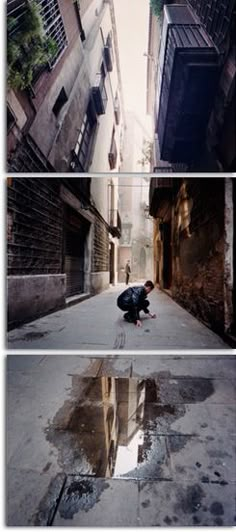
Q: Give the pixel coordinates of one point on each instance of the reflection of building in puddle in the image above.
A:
(130, 414)
(109, 413)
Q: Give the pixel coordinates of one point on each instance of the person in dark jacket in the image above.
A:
(127, 272)
(133, 300)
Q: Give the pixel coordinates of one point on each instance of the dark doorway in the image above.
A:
(167, 256)
(111, 267)
(76, 231)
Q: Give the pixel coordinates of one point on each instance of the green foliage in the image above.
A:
(27, 47)
(157, 7)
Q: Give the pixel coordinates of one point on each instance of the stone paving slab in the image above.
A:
(98, 502)
(186, 504)
(206, 420)
(106, 329)
(25, 496)
(198, 459)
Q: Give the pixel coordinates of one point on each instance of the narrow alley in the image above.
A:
(98, 324)
(121, 440)
(70, 239)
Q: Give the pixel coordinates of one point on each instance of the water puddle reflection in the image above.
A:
(116, 427)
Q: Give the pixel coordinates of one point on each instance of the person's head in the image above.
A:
(148, 286)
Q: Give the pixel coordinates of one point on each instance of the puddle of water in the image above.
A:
(115, 427)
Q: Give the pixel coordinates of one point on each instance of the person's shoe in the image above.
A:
(128, 318)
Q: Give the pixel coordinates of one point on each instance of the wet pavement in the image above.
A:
(149, 441)
(98, 324)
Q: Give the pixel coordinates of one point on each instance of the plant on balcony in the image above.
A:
(27, 47)
(157, 7)
(147, 153)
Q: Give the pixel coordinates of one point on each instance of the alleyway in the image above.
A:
(181, 471)
(97, 323)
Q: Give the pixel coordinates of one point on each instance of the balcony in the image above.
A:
(115, 223)
(108, 57)
(99, 94)
(160, 196)
(112, 155)
(117, 110)
(188, 76)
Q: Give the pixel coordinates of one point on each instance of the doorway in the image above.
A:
(167, 256)
(76, 230)
(111, 264)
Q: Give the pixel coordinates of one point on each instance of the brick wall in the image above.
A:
(34, 226)
(100, 259)
(198, 250)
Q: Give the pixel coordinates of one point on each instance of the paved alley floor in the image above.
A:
(121, 440)
(98, 324)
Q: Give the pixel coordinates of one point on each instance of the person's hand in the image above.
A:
(138, 323)
(152, 315)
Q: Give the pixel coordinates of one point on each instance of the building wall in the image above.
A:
(76, 70)
(35, 283)
(100, 257)
(36, 244)
(198, 250)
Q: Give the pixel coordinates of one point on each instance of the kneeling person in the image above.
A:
(133, 300)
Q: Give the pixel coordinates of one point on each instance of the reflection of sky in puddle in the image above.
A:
(127, 457)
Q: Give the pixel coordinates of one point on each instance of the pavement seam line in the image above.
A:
(51, 520)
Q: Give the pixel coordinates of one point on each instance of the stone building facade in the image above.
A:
(59, 232)
(71, 116)
(194, 245)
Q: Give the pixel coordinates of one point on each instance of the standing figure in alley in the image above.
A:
(127, 272)
(133, 300)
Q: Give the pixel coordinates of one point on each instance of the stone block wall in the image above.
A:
(198, 250)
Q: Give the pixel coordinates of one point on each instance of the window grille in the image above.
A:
(52, 22)
(53, 26)
(83, 145)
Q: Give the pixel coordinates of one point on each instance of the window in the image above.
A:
(99, 92)
(60, 101)
(112, 155)
(108, 53)
(53, 25)
(84, 143)
(52, 22)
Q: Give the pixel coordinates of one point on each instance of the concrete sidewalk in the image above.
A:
(97, 324)
(196, 482)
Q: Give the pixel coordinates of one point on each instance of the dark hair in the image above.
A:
(149, 284)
